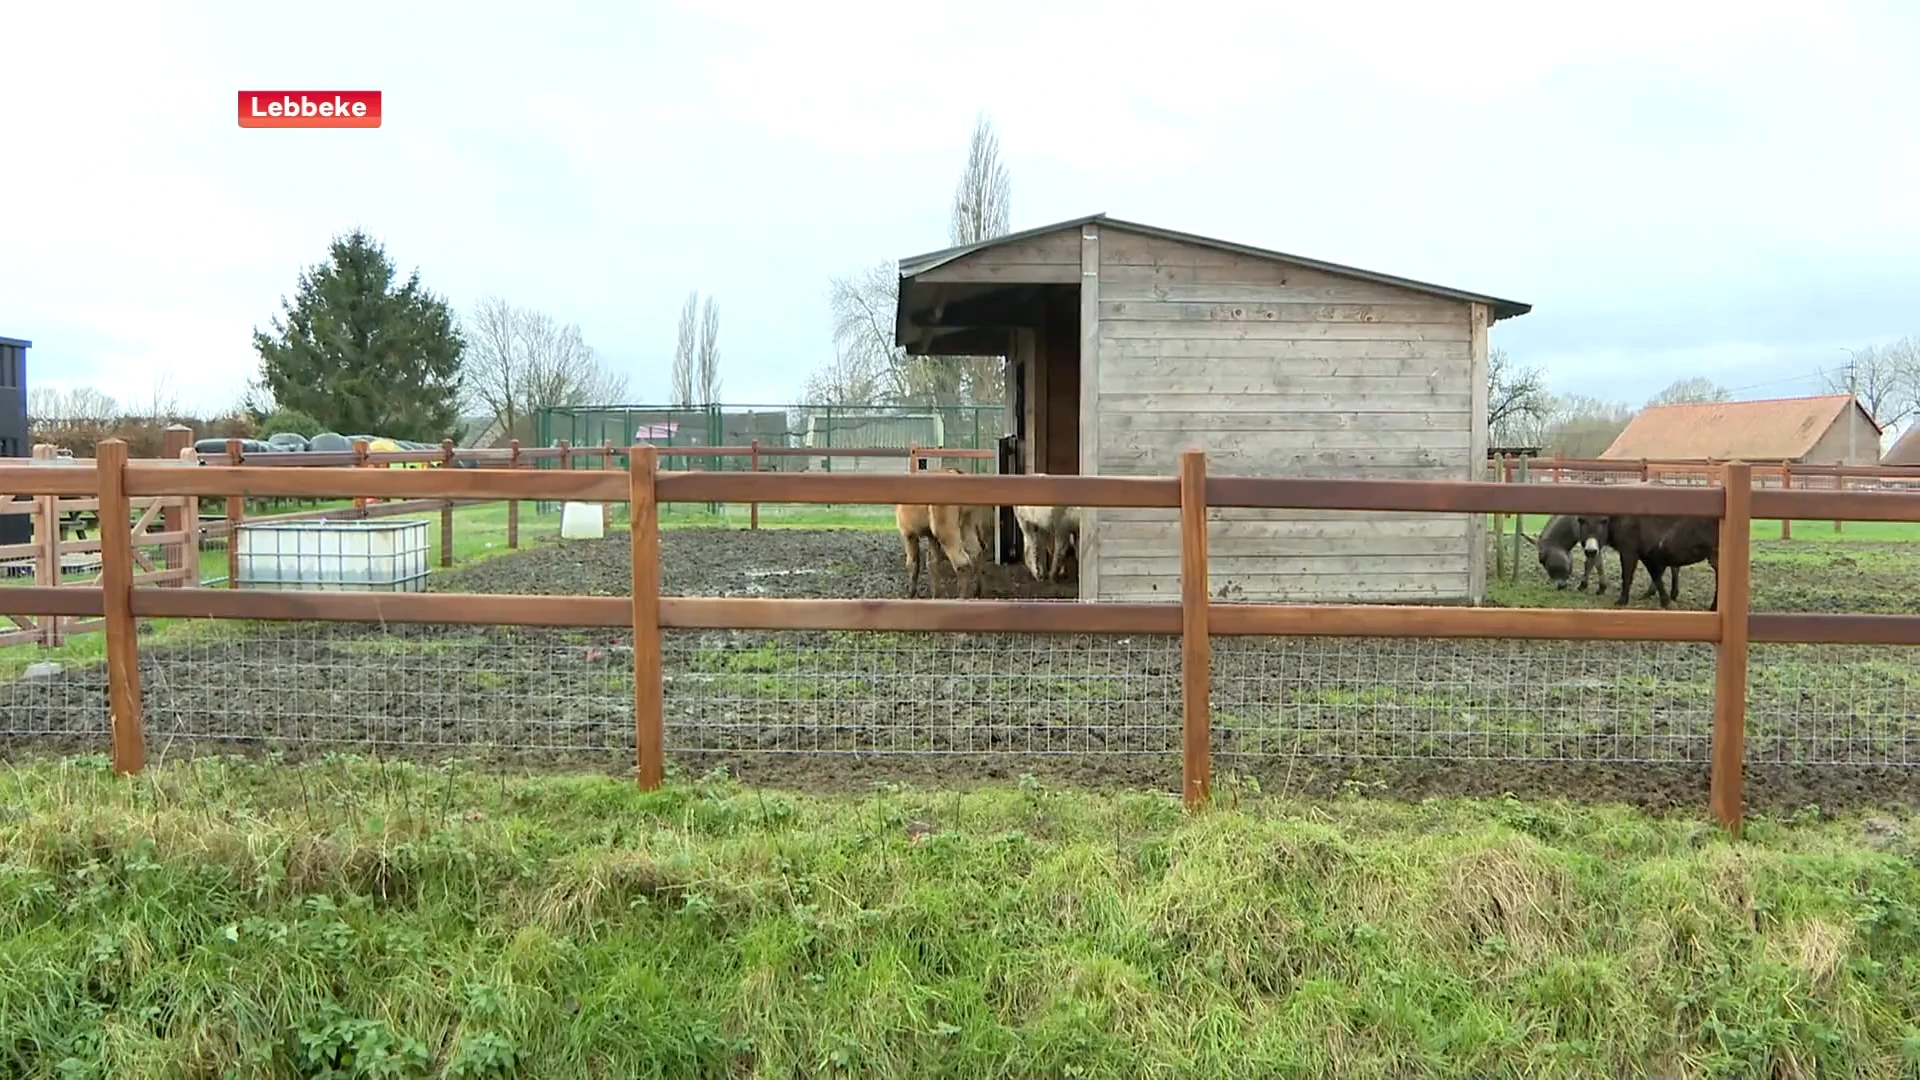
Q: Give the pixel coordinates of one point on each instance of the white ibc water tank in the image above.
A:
(581, 521)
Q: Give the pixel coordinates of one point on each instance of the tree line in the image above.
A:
(1523, 412)
(360, 351)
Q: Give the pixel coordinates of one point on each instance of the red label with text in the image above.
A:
(309, 108)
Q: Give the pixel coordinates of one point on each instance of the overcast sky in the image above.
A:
(1695, 188)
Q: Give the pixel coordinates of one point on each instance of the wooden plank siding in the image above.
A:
(1050, 259)
(1279, 370)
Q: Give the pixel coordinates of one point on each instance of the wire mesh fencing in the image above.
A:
(1839, 705)
(52, 702)
(1462, 699)
(921, 694)
(511, 693)
(1104, 707)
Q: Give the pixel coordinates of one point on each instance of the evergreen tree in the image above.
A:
(362, 356)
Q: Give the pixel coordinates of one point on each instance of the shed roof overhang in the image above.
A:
(971, 318)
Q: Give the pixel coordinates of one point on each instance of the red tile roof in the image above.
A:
(1778, 429)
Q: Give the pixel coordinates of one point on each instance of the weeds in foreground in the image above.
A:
(362, 919)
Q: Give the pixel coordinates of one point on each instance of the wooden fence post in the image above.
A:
(1732, 584)
(190, 524)
(116, 590)
(1196, 648)
(47, 569)
(606, 508)
(360, 451)
(446, 508)
(178, 438)
(237, 513)
(1786, 484)
(513, 505)
(1518, 521)
(753, 510)
(1840, 485)
(649, 696)
(1499, 523)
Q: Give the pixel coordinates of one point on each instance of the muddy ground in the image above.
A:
(1398, 717)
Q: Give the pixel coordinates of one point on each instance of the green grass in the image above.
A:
(479, 532)
(354, 919)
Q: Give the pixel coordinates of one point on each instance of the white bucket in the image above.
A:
(581, 521)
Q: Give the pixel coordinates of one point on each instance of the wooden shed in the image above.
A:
(1129, 343)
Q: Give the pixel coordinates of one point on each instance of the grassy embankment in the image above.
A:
(386, 920)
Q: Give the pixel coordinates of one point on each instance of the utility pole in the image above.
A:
(1853, 393)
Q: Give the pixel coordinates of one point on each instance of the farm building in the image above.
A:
(1830, 429)
(14, 426)
(1906, 449)
(1129, 343)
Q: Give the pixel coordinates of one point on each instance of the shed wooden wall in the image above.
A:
(1832, 449)
(1280, 370)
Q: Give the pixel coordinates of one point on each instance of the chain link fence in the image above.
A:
(778, 428)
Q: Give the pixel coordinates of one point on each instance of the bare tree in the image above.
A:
(82, 404)
(494, 367)
(44, 403)
(161, 404)
(983, 200)
(1884, 378)
(561, 368)
(1697, 390)
(1583, 427)
(982, 210)
(520, 362)
(684, 347)
(1517, 402)
(707, 361)
(861, 306)
(850, 378)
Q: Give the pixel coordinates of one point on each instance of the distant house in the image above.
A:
(1905, 449)
(1831, 429)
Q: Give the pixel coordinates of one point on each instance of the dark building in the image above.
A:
(14, 528)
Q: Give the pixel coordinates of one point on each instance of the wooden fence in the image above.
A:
(182, 532)
(1196, 617)
(1512, 469)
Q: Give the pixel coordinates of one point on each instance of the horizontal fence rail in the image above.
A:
(1194, 618)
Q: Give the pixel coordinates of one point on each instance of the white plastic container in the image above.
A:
(358, 556)
(581, 521)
